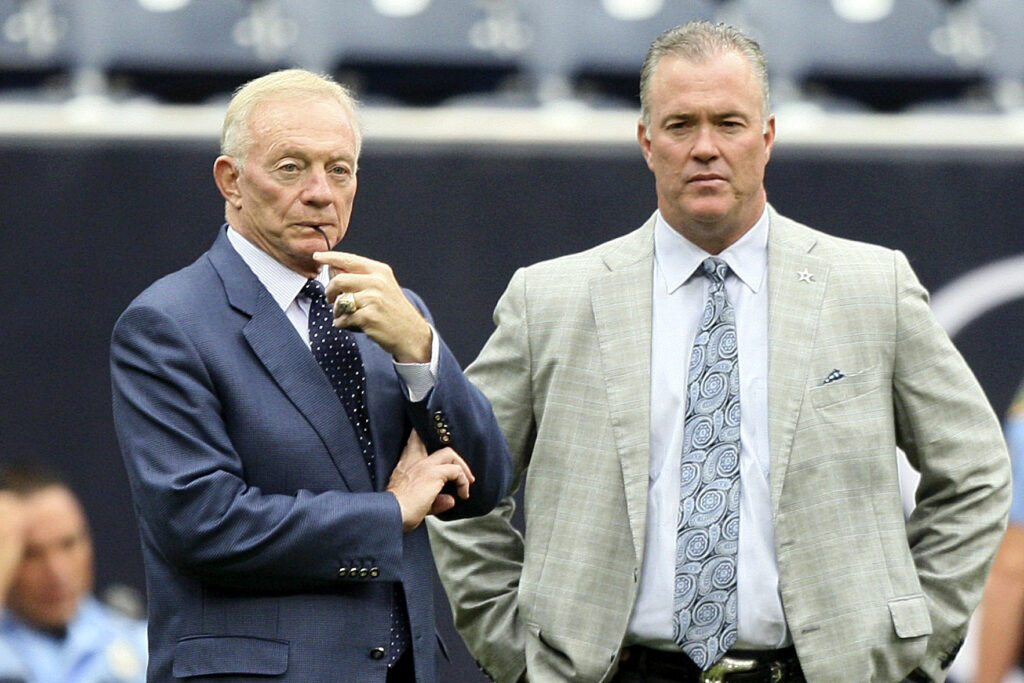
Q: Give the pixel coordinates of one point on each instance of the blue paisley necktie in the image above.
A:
(707, 533)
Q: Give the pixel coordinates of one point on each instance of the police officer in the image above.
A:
(52, 629)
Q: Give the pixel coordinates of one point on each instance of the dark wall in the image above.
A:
(89, 224)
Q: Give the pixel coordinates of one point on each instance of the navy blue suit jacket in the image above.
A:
(267, 550)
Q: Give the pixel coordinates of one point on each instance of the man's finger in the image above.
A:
(414, 447)
(346, 262)
(457, 474)
(350, 282)
(443, 503)
(448, 455)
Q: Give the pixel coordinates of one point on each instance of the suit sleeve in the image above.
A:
(952, 437)
(480, 560)
(189, 484)
(456, 414)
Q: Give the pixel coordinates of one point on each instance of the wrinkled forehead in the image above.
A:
(311, 120)
(725, 77)
(726, 73)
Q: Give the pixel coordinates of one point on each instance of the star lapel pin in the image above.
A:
(805, 276)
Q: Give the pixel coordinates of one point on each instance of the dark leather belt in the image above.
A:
(736, 666)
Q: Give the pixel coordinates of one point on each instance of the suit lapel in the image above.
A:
(796, 287)
(281, 351)
(621, 301)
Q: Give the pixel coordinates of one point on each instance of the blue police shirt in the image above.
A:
(1014, 429)
(101, 646)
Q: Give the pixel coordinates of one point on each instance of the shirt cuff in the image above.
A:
(420, 378)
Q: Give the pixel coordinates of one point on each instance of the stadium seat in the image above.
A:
(1002, 24)
(185, 51)
(410, 51)
(34, 43)
(879, 54)
(596, 47)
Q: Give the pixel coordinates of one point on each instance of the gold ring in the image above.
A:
(345, 304)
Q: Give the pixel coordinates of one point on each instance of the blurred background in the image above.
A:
(498, 133)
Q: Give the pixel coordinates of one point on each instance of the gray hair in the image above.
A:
(236, 136)
(697, 41)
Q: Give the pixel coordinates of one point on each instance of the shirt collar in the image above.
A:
(678, 258)
(283, 283)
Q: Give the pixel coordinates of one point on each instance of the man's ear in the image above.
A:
(225, 174)
(645, 142)
(769, 136)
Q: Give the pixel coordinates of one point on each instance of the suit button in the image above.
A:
(377, 653)
(342, 572)
(439, 417)
(363, 573)
(354, 572)
(374, 572)
(444, 438)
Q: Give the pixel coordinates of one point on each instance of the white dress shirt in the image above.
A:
(678, 299)
(285, 286)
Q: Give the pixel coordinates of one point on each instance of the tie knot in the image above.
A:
(313, 290)
(715, 268)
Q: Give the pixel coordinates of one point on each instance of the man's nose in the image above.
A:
(705, 144)
(58, 567)
(317, 190)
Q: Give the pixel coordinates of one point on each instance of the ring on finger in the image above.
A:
(345, 304)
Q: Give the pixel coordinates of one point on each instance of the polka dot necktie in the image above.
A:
(338, 355)
(336, 352)
(707, 533)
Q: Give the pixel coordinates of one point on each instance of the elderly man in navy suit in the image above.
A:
(275, 403)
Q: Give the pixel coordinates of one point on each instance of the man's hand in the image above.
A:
(418, 479)
(12, 539)
(382, 309)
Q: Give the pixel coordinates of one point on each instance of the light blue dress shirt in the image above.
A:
(1014, 429)
(101, 646)
(678, 299)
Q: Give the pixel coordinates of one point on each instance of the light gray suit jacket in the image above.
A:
(868, 595)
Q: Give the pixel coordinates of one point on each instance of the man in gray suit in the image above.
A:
(840, 363)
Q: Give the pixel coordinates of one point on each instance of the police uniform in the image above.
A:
(1014, 430)
(101, 646)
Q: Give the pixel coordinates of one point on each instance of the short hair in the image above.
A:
(697, 41)
(25, 478)
(236, 136)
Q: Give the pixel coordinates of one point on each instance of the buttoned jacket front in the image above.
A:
(268, 551)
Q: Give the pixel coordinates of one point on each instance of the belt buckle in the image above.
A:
(725, 666)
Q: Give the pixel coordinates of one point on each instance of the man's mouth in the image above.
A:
(706, 178)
